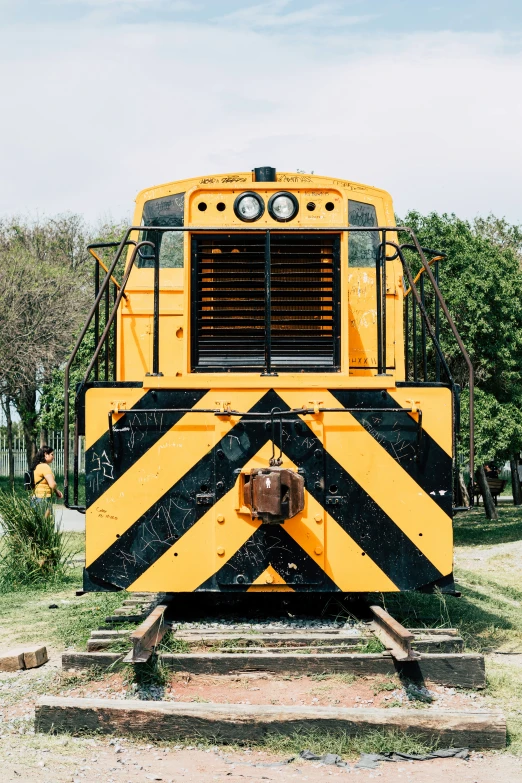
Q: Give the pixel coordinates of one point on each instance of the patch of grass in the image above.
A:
(371, 646)
(473, 528)
(385, 685)
(74, 628)
(171, 644)
(375, 741)
(504, 689)
(346, 678)
(34, 550)
(487, 615)
(150, 674)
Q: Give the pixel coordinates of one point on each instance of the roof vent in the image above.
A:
(264, 174)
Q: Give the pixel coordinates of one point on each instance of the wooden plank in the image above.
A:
(27, 656)
(435, 643)
(95, 645)
(35, 655)
(12, 660)
(251, 723)
(124, 618)
(464, 670)
(147, 637)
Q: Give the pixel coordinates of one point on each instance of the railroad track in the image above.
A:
(379, 644)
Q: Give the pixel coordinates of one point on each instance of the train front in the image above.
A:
(255, 429)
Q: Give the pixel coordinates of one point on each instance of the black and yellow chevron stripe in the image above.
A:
(164, 509)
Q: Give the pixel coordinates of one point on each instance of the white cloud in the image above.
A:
(94, 114)
(272, 14)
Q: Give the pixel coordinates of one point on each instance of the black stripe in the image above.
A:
(270, 545)
(177, 511)
(134, 435)
(397, 434)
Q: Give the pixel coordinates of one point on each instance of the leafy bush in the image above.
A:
(33, 549)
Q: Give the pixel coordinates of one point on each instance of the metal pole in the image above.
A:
(115, 340)
(379, 311)
(268, 308)
(107, 306)
(383, 294)
(414, 339)
(423, 333)
(437, 325)
(155, 343)
(406, 338)
(96, 314)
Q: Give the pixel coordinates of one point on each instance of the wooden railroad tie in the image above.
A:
(464, 670)
(251, 723)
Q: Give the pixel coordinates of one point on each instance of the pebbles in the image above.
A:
(283, 623)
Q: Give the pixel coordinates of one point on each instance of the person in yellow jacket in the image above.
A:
(44, 481)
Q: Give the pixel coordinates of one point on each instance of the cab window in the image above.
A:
(362, 246)
(166, 211)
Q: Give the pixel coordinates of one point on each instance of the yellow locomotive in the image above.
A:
(258, 411)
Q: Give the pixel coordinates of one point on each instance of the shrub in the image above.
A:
(33, 549)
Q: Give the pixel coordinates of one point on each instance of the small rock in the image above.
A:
(53, 606)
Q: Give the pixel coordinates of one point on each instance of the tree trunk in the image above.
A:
(464, 494)
(489, 505)
(515, 482)
(26, 406)
(6, 405)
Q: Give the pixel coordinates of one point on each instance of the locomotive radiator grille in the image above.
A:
(230, 294)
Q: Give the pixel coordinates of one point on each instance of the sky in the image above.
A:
(102, 98)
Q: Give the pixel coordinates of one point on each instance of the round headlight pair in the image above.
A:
(249, 206)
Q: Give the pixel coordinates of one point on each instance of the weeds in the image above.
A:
(373, 741)
(504, 689)
(371, 646)
(386, 685)
(171, 644)
(35, 551)
(347, 679)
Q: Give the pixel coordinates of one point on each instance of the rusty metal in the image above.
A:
(393, 635)
(274, 494)
(148, 635)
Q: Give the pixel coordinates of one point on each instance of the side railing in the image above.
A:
(416, 295)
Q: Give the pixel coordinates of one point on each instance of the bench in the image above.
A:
(496, 487)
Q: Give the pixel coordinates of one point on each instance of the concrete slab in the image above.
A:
(71, 521)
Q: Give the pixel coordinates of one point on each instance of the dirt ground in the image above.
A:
(73, 760)
(489, 616)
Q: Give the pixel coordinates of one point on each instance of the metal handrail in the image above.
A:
(422, 271)
(105, 269)
(67, 374)
(252, 229)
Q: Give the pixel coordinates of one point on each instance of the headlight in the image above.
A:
(249, 206)
(283, 207)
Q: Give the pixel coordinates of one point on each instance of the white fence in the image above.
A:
(55, 441)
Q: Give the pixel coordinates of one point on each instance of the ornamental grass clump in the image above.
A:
(33, 548)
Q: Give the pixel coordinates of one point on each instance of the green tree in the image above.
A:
(481, 280)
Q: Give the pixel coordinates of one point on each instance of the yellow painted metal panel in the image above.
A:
(98, 404)
(270, 582)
